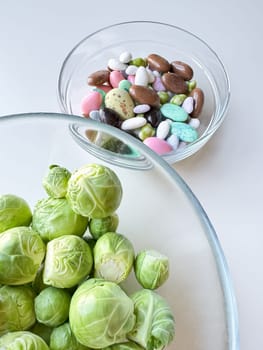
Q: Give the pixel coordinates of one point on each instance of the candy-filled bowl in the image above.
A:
(157, 82)
(56, 190)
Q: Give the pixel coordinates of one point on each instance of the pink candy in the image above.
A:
(105, 88)
(159, 146)
(131, 78)
(115, 78)
(91, 102)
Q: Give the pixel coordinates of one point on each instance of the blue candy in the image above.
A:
(184, 132)
(174, 112)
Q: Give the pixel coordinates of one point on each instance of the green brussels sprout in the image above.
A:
(100, 313)
(151, 268)
(62, 338)
(128, 345)
(14, 211)
(68, 261)
(42, 331)
(22, 340)
(21, 254)
(113, 257)
(16, 308)
(94, 191)
(52, 306)
(56, 181)
(155, 326)
(97, 227)
(53, 217)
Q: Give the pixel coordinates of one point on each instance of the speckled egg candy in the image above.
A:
(121, 102)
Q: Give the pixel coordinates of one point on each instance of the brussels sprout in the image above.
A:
(97, 227)
(14, 211)
(113, 257)
(128, 345)
(56, 181)
(22, 340)
(16, 308)
(151, 268)
(62, 338)
(94, 191)
(68, 261)
(54, 218)
(155, 326)
(42, 331)
(100, 313)
(52, 306)
(21, 253)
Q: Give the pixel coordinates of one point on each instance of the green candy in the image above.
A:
(138, 62)
(191, 84)
(164, 97)
(124, 85)
(103, 93)
(146, 131)
(178, 99)
(174, 112)
(184, 132)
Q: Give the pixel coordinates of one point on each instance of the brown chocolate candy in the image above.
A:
(182, 69)
(144, 95)
(158, 63)
(111, 117)
(198, 97)
(99, 77)
(174, 83)
(154, 117)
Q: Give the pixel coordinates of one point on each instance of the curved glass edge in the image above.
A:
(221, 263)
(133, 160)
(172, 157)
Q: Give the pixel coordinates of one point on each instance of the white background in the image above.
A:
(227, 174)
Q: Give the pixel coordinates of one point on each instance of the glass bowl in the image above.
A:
(158, 211)
(142, 38)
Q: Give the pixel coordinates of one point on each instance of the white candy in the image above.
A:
(194, 123)
(141, 108)
(95, 115)
(173, 141)
(182, 145)
(125, 57)
(163, 129)
(141, 76)
(131, 70)
(188, 104)
(151, 76)
(156, 73)
(133, 123)
(115, 64)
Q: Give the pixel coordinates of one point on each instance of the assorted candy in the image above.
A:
(150, 98)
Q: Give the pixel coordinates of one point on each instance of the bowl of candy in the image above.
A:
(99, 254)
(155, 81)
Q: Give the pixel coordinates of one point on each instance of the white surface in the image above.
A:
(226, 175)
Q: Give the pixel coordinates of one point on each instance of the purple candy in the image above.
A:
(158, 85)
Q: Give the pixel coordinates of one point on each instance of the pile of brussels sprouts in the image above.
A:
(62, 265)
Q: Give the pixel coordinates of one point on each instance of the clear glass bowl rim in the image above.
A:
(222, 266)
(191, 148)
